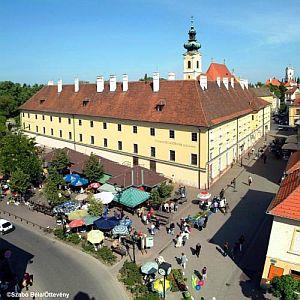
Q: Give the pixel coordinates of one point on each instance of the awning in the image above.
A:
(292, 139)
(132, 197)
(106, 187)
(104, 178)
(290, 146)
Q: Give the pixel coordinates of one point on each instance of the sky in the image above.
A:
(43, 40)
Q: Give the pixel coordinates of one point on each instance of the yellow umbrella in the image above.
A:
(77, 214)
(95, 236)
(158, 285)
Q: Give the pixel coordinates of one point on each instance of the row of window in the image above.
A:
(194, 135)
(194, 157)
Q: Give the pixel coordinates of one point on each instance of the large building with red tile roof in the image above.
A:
(273, 81)
(191, 131)
(283, 255)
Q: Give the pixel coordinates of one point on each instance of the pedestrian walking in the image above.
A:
(205, 221)
(250, 180)
(215, 206)
(197, 250)
(152, 229)
(265, 158)
(225, 249)
(176, 207)
(204, 273)
(178, 241)
(222, 193)
(183, 260)
(157, 223)
(172, 228)
(233, 184)
(241, 241)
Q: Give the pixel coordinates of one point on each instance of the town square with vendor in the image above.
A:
(172, 185)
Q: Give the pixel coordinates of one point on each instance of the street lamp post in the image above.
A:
(164, 269)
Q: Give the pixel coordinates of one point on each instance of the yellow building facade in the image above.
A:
(294, 112)
(186, 154)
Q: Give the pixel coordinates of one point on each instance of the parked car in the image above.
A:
(5, 226)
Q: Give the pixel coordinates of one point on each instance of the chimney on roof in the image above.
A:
(50, 82)
(59, 86)
(112, 83)
(219, 81)
(246, 83)
(125, 82)
(100, 84)
(243, 83)
(232, 82)
(203, 82)
(76, 85)
(226, 82)
(171, 76)
(155, 82)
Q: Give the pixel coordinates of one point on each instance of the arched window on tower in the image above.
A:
(189, 64)
(197, 64)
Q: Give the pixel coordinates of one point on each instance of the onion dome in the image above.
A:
(192, 44)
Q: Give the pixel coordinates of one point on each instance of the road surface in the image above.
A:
(59, 268)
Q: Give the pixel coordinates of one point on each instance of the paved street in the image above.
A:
(60, 268)
(239, 278)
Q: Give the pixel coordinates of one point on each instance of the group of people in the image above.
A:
(184, 235)
(170, 206)
(238, 247)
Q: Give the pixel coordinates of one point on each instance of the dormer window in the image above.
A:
(85, 102)
(42, 101)
(160, 106)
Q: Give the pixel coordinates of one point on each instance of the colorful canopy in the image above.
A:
(120, 230)
(158, 285)
(132, 197)
(77, 214)
(95, 236)
(76, 223)
(79, 182)
(81, 197)
(104, 178)
(71, 177)
(66, 207)
(89, 220)
(204, 195)
(104, 197)
(106, 187)
(94, 185)
(149, 267)
(106, 224)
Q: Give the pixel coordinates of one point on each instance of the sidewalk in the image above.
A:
(25, 213)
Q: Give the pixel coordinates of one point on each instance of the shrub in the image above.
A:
(59, 233)
(74, 238)
(284, 287)
(106, 255)
(87, 247)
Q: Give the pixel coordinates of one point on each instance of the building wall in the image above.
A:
(294, 114)
(215, 149)
(274, 101)
(280, 250)
(192, 72)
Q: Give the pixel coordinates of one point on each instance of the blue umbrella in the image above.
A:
(120, 230)
(106, 224)
(79, 182)
(71, 177)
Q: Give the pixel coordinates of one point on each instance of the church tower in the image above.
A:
(289, 74)
(192, 60)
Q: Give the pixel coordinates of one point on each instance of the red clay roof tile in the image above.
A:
(185, 102)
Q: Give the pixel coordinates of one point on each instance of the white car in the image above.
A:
(5, 226)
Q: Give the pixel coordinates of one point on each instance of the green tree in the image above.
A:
(19, 181)
(259, 84)
(60, 160)
(155, 197)
(146, 78)
(93, 168)
(95, 207)
(51, 189)
(284, 287)
(18, 152)
(165, 190)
